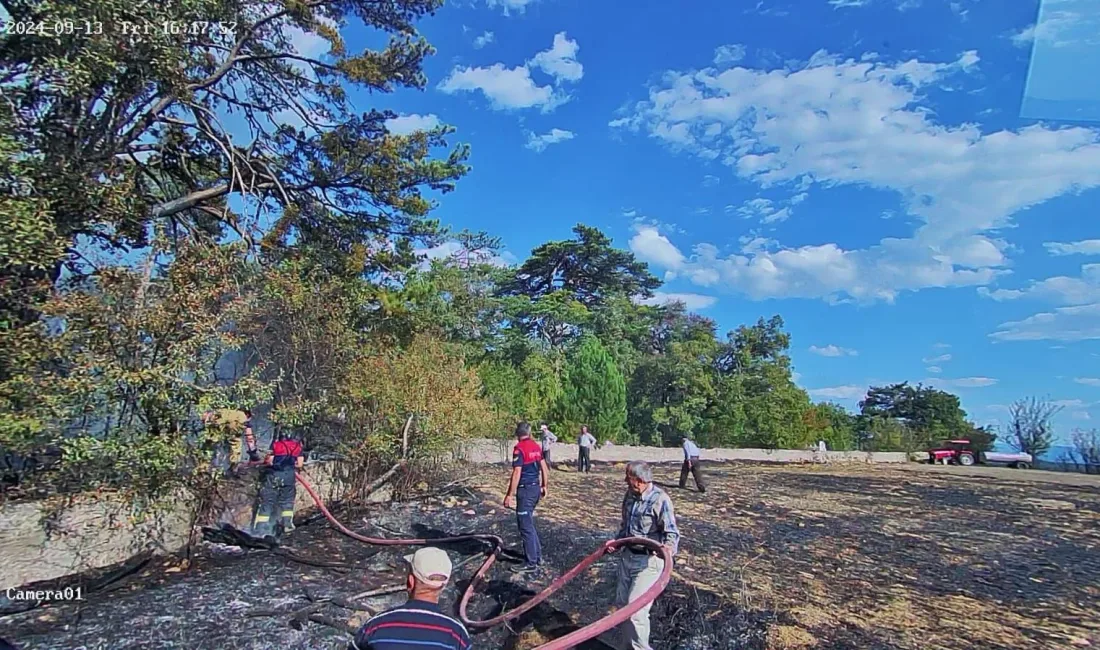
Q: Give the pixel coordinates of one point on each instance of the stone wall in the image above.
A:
(41, 541)
(495, 451)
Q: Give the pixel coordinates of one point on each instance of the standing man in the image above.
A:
(691, 463)
(278, 490)
(419, 623)
(584, 445)
(647, 512)
(548, 438)
(527, 486)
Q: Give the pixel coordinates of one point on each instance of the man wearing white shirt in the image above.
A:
(691, 464)
(548, 438)
(585, 444)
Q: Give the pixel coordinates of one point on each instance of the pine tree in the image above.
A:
(594, 393)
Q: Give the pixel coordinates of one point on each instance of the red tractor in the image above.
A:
(963, 452)
(955, 452)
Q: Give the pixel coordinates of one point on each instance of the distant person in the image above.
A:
(527, 486)
(647, 512)
(691, 464)
(419, 624)
(279, 488)
(548, 438)
(584, 449)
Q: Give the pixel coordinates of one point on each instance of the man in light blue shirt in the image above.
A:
(585, 444)
(548, 439)
(691, 464)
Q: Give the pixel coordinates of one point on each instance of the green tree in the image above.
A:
(594, 393)
(833, 424)
(587, 268)
(112, 134)
(929, 414)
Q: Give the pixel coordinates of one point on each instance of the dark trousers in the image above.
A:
(692, 465)
(527, 497)
(584, 459)
(546, 457)
(276, 502)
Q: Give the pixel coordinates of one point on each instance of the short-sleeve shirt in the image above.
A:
(527, 455)
(587, 440)
(690, 449)
(416, 625)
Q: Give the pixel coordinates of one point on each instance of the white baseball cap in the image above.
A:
(431, 566)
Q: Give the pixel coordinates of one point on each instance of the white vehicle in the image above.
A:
(1016, 459)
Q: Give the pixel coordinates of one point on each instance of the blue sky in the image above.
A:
(859, 166)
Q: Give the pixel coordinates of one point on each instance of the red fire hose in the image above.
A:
(590, 631)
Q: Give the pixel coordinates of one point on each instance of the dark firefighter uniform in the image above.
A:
(278, 490)
(527, 455)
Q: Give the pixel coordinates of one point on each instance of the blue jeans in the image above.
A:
(527, 497)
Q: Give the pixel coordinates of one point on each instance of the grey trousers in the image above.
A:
(636, 574)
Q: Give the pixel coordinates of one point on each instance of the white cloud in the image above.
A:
(839, 392)
(651, 246)
(560, 61)
(963, 382)
(942, 346)
(833, 351)
(406, 124)
(483, 40)
(728, 54)
(943, 358)
(692, 301)
(514, 88)
(1061, 289)
(1070, 403)
(711, 180)
(519, 6)
(764, 210)
(1083, 247)
(506, 88)
(1074, 22)
(1077, 323)
(934, 369)
(1088, 381)
(1081, 415)
(554, 136)
(837, 121)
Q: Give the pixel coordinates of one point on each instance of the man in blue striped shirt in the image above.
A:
(647, 512)
(418, 624)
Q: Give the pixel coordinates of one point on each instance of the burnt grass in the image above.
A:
(772, 557)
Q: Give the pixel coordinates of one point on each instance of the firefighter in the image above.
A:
(278, 490)
(230, 424)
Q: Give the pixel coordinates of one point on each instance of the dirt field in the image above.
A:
(773, 557)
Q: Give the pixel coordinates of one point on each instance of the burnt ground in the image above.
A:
(773, 557)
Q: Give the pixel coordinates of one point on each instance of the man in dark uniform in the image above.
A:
(527, 486)
(278, 490)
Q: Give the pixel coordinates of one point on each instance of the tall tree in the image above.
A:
(587, 268)
(1031, 429)
(594, 393)
(115, 128)
(929, 414)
